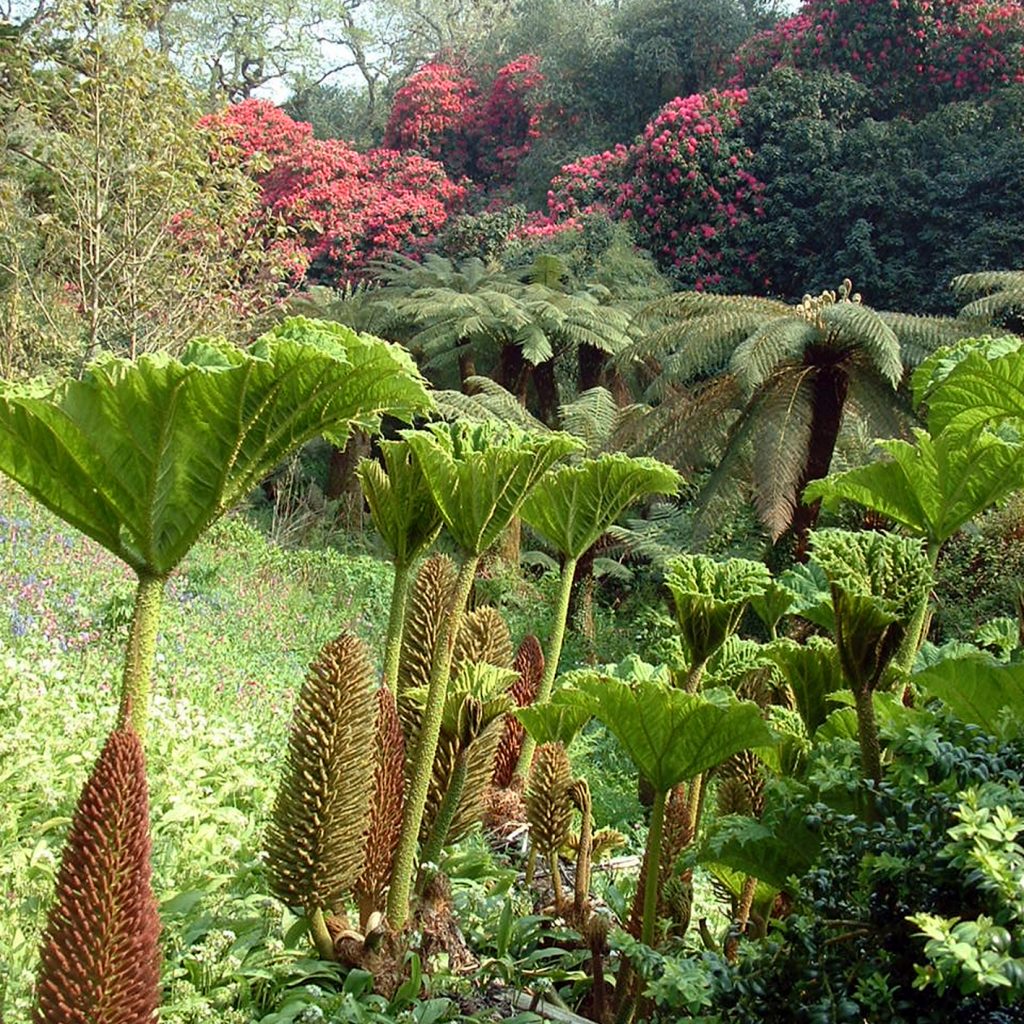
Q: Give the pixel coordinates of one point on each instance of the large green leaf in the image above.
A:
(480, 474)
(710, 597)
(142, 456)
(941, 363)
(813, 672)
(979, 692)
(670, 735)
(878, 581)
(977, 392)
(403, 509)
(572, 506)
(932, 487)
(773, 852)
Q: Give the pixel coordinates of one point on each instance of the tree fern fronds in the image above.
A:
(100, 957)
(988, 307)
(871, 401)
(919, 336)
(784, 433)
(692, 427)
(757, 357)
(988, 281)
(486, 400)
(851, 324)
(315, 845)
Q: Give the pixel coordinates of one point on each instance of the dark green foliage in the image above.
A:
(882, 202)
(980, 573)
(100, 953)
(315, 846)
(847, 952)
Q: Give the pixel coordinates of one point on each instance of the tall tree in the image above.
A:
(149, 240)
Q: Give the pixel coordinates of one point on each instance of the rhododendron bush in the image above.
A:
(684, 184)
(342, 208)
(916, 54)
(441, 112)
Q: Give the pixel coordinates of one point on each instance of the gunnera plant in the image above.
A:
(428, 604)
(529, 667)
(315, 846)
(100, 959)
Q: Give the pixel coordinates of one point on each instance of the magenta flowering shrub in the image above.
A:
(684, 185)
(435, 113)
(689, 188)
(440, 112)
(590, 184)
(342, 208)
(916, 54)
(509, 120)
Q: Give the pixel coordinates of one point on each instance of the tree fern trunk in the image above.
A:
(830, 387)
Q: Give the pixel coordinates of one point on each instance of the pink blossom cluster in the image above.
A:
(919, 52)
(684, 184)
(441, 113)
(343, 208)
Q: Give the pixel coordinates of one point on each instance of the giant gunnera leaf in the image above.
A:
(669, 735)
(710, 597)
(932, 487)
(572, 506)
(480, 474)
(142, 456)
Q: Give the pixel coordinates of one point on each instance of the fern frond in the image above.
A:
(988, 281)
(784, 434)
(852, 325)
(920, 336)
(757, 357)
(990, 306)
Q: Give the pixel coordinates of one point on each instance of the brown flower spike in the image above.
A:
(100, 954)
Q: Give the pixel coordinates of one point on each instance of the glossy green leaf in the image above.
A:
(670, 735)
(480, 474)
(142, 456)
(941, 363)
(572, 506)
(932, 487)
(978, 392)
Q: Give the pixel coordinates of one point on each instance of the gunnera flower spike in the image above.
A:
(100, 960)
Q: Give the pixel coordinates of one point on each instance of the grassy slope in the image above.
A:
(242, 620)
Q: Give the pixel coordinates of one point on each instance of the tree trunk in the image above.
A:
(467, 366)
(342, 482)
(547, 392)
(590, 367)
(512, 372)
(830, 386)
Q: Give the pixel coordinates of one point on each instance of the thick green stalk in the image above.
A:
(917, 627)
(653, 869)
(694, 677)
(445, 815)
(430, 729)
(396, 621)
(321, 936)
(551, 656)
(870, 748)
(138, 656)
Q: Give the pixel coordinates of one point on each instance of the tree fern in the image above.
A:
(784, 434)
